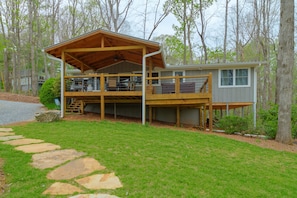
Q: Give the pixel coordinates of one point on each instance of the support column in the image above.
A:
(210, 102)
(227, 109)
(115, 110)
(204, 117)
(102, 102)
(102, 107)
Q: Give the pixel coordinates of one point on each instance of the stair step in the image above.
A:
(74, 107)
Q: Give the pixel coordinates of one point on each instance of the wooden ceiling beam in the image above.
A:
(102, 49)
(78, 61)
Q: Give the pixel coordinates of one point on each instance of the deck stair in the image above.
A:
(76, 106)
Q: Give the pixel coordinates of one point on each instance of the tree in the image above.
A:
(285, 65)
(153, 8)
(226, 30)
(173, 49)
(190, 15)
(114, 13)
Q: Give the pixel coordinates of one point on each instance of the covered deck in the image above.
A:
(101, 49)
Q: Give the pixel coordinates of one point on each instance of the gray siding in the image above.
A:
(232, 94)
(122, 67)
(164, 114)
(128, 110)
(226, 94)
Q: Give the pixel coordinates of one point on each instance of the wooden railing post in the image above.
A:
(177, 84)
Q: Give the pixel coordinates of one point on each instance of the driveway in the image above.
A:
(12, 112)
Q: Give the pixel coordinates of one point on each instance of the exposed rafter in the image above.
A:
(78, 60)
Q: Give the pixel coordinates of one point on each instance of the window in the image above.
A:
(138, 79)
(234, 77)
(178, 73)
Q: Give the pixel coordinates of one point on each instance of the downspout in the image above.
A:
(255, 97)
(144, 81)
(62, 82)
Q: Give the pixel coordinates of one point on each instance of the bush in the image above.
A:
(49, 91)
(57, 87)
(232, 124)
(269, 119)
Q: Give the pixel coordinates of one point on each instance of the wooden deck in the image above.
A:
(170, 91)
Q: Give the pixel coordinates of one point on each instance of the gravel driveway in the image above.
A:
(11, 112)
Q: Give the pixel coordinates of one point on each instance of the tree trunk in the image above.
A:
(185, 33)
(6, 72)
(226, 31)
(284, 74)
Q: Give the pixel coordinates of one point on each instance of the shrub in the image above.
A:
(49, 91)
(232, 124)
(57, 87)
(269, 119)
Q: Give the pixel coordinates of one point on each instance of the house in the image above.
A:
(124, 75)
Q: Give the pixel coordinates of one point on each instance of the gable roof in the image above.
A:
(101, 48)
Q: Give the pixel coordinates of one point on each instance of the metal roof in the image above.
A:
(215, 66)
(101, 48)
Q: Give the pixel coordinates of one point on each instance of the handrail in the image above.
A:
(105, 75)
(203, 87)
(172, 77)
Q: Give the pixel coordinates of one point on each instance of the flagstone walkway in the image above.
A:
(70, 165)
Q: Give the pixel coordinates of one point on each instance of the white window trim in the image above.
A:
(173, 74)
(234, 73)
(159, 73)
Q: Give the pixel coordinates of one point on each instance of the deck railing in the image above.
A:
(180, 84)
(98, 82)
(133, 82)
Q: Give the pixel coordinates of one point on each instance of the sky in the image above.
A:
(166, 25)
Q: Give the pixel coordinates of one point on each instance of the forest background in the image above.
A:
(190, 31)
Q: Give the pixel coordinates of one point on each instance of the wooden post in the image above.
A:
(204, 117)
(210, 102)
(102, 102)
(115, 110)
(82, 106)
(102, 107)
(200, 116)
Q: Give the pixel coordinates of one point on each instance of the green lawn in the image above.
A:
(158, 162)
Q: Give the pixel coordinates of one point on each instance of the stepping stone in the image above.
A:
(6, 129)
(75, 168)
(94, 196)
(38, 148)
(100, 181)
(12, 137)
(59, 188)
(23, 141)
(51, 159)
(6, 134)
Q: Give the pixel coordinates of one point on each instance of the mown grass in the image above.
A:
(158, 162)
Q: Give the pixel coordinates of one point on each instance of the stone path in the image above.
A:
(74, 172)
